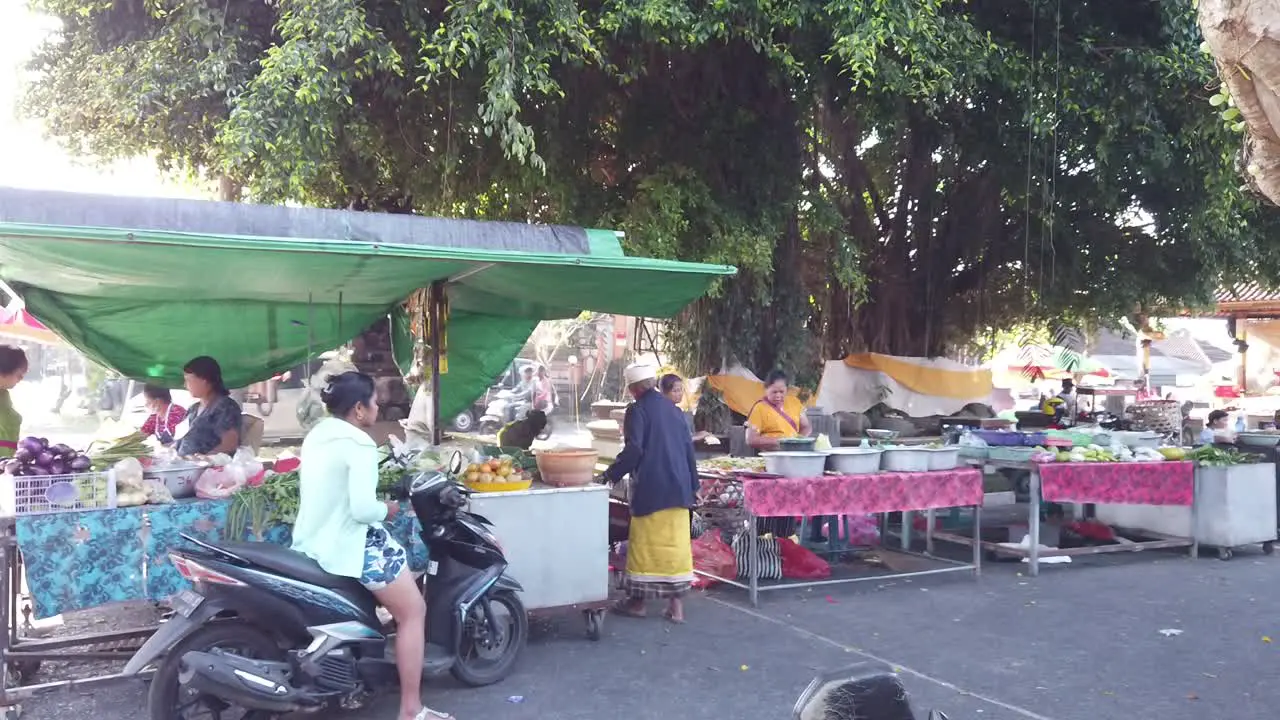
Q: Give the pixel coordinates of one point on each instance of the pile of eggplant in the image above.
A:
(35, 456)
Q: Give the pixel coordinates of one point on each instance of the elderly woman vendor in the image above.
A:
(214, 421)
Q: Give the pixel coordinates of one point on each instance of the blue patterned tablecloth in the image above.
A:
(80, 560)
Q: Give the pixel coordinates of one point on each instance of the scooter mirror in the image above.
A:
(455, 463)
(865, 690)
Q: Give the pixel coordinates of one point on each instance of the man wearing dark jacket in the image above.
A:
(658, 454)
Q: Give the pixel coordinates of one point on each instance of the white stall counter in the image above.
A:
(556, 541)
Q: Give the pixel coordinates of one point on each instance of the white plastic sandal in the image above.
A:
(427, 713)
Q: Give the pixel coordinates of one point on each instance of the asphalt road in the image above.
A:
(1081, 642)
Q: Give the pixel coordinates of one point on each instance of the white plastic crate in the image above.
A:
(42, 494)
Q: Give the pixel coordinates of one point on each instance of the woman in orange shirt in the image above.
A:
(776, 416)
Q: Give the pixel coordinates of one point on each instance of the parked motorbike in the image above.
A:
(503, 409)
(865, 691)
(266, 630)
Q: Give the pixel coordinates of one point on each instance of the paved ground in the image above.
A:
(1081, 642)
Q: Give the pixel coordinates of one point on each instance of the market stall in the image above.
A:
(1127, 472)
(842, 496)
(126, 285)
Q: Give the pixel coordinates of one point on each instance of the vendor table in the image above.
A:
(1131, 483)
(858, 495)
(79, 560)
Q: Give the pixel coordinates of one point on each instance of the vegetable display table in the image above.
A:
(858, 495)
(1236, 506)
(1129, 483)
(79, 560)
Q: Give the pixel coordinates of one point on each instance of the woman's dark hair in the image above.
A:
(155, 392)
(669, 381)
(12, 359)
(346, 390)
(774, 376)
(1216, 415)
(208, 370)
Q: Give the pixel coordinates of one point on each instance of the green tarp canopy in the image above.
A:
(144, 302)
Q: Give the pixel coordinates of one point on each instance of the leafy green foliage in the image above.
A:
(890, 175)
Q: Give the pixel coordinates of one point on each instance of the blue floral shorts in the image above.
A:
(384, 558)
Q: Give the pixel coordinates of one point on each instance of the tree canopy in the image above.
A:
(889, 175)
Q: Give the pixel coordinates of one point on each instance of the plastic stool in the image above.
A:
(837, 533)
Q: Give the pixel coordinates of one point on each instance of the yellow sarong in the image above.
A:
(659, 555)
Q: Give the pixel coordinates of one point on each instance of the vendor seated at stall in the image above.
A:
(1216, 430)
(165, 416)
(521, 433)
(214, 421)
(776, 416)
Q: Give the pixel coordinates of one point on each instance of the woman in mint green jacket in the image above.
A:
(340, 520)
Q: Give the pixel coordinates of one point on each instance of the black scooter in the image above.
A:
(267, 631)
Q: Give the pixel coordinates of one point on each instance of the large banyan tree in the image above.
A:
(890, 175)
(1244, 38)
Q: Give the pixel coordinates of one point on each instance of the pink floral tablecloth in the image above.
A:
(861, 494)
(1145, 483)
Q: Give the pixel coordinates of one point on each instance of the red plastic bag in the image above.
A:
(800, 563)
(712, 555)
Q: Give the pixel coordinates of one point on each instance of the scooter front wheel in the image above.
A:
(486, 655)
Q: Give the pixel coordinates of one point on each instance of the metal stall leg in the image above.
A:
(977, 539)
(10, 613)
(1033, 526)
(753, 560)
(1195, 515)
(906, 529)
(928, 531)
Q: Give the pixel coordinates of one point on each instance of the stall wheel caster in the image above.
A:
(595, 624)
(1268, 548)
(1225, 553)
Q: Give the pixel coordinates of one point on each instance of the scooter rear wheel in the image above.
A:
(166, 700)
(483, 659)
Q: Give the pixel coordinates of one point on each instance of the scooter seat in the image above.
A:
(289, 563)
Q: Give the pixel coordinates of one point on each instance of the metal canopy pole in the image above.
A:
(434, 302)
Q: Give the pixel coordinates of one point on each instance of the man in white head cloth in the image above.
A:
(658, 454)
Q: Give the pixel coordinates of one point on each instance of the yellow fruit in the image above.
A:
(473, 476)
(504, 471)
(1173, 453)
(486, 477)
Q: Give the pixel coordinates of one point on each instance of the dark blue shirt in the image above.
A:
(658, 454)
(207, 425)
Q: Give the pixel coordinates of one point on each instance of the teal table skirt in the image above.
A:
(80, 560)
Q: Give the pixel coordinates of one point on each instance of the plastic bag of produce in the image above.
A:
(247, 460)
(218, 483)
(130, 485)
(157, 493)
(712, 555)
(801, 563)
